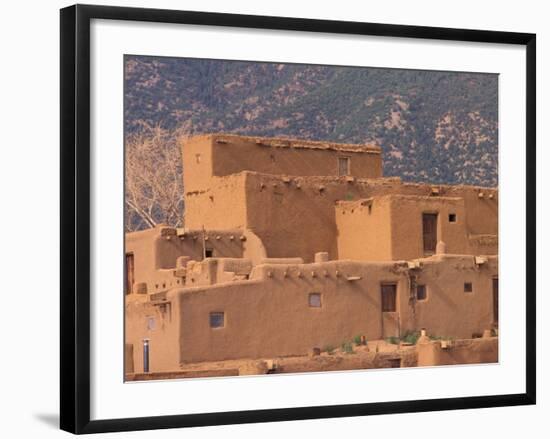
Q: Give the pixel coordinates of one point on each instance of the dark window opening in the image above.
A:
(421, 293)
(128, 285)
(495, 300)
(315, 300)
(395, 362)
(217, 319)
(343, 166)
(452, 217)
(429, 232)
(208, 253)
(468, 288)
(389, 298)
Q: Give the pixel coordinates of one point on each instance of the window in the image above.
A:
(208, 253)
(217, 319)
(315, 300)
(343, 166)
(389, 297)
(395, 362)
(198, 158)
(452, 217)
(421, 293)
(130, 279)
(468, 288)
(495, 300)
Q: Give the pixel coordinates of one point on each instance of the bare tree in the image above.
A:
(154, 178)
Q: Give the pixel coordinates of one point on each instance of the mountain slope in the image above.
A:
(433, 126)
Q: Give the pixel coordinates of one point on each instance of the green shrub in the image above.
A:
(357, 340)
(347, 348)
(392, 340)
(411, 337)
(329, 349)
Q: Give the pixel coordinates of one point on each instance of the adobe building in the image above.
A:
(292, 245)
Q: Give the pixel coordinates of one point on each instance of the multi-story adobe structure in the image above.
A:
(290, 245)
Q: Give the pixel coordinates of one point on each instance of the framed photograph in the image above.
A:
(268, 219)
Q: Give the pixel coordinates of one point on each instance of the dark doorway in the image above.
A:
(495, 300)
(389, 298)
(395, 362)
(343, 166)
(129, 273)
(429, 232)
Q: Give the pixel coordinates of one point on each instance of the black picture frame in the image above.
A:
(75, 217)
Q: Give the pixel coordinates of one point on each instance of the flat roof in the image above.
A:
(285, 142)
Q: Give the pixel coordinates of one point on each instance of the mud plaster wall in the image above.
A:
(263, 315)
(298, 217)
(244, 154)
(475, 351)
(448, 310)
(221, 206)
(406, 223)
(197, 163)
(156, 251)
(232, 186)
(364, 230)
(391, 227)
(217, 270)
(159, 324)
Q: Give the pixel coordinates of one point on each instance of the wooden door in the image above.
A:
(390, 316)
(129, 273)
(495, 300)
(429, 232)
(343, 166)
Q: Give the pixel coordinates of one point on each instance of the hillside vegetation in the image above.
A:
(433, 126)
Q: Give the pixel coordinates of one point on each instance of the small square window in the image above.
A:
(468, 288)
(421, 293)
(208, 253)
(315, 300)
(217, 319)
(452, 217)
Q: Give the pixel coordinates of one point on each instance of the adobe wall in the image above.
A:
(156, 251)
(233, 154)
(196, 155)
(297, 217)
(219, 155)
(217, 270)
(264, 314)
(284, 192)
(391, 227)
(449, 311)
(406, 222)
(221, 206)
(364, 229)
(473, 351)
(160, 324)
